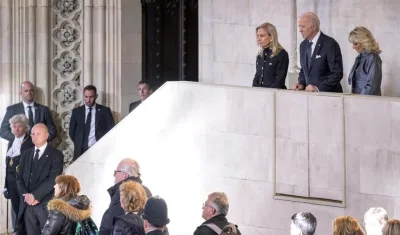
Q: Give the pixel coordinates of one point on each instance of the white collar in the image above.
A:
(41, 148)
(26, 104)
(93, 107)
(315, 39)
(20, 139)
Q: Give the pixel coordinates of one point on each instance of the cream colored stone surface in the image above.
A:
(191, 139)
(233, 26)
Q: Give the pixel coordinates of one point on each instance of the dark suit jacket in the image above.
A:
(42, 115)
(26, 144)
(104, 123)
(326, 68)
(134, 105)
(271, 72)
(50, 165)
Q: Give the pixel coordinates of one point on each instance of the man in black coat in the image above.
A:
(144, 91)
(37, 171)
(36, 113)
(215, 210)
(127, 170)
(89, 122)
(320, 58)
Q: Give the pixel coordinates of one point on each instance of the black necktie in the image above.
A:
(36, 157)
(87, 129)
(309, 54)
(30, 116)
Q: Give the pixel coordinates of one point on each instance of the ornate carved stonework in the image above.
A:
(67, 8)
(66, 66)
(67, 34)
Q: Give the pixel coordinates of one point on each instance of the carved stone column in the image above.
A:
(66, 66)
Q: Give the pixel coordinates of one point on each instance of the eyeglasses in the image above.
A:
(116, 171)
(205, 205)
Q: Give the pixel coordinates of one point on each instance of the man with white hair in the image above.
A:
(127, 170)
(374, 220)
(320, 58)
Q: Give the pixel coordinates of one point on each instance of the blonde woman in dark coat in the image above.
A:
(132, 198)
(272, 61)
(365, 76)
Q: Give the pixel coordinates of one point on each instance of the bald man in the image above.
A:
(35, 112)
(37, 171)
(320, 58)
(127, 170)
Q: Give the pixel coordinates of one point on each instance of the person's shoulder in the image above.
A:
(14, 106)
(328, 39)
(202, 229)
(283, 53)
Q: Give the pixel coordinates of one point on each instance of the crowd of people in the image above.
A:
(375, 223)
(46, 202)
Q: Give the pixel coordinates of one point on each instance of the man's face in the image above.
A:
(90, 97)
(39, 136)
(18, 129)
(144, 91)
(305, 28)
(294, 230)
(27, 92)
(208, 210)
(119, 175)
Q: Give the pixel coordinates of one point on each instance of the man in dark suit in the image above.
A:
(37, 171)
(36, 113)
(320, 58)
(144, 91)
(89, 122)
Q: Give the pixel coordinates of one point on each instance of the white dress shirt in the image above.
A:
(41, 150)
(92, 134)
(26, 109)
(314, 41)
(15, 149)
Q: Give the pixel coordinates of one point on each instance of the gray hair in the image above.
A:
(130, 167)
(20, 118)
(220, 202)
(313, 18)
(377, 214)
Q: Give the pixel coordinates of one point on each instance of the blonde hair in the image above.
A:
(133, 197)
(391, 228)
(270, 29)
(364, 37)
(220, 202)
(346, 225)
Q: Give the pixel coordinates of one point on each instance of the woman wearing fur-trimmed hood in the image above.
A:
(67, 208)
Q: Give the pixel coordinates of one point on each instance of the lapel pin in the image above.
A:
(47, 155)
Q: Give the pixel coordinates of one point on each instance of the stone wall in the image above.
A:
(273, 152)
(228, 44)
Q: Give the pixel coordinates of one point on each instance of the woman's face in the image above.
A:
(263, 39)
(56, 190)
(358, 47)
(18, 129)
